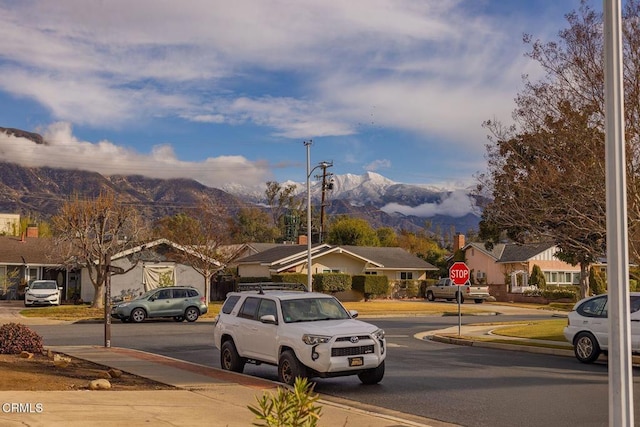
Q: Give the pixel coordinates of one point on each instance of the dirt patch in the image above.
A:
(40, 374)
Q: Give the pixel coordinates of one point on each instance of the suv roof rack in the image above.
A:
(271, 286)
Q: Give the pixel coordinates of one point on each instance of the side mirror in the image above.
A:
(269, 318)
(353, 313)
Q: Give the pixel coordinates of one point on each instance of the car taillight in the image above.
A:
(202, 300)
(468, 290)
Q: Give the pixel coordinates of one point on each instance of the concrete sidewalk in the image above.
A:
(206, 397)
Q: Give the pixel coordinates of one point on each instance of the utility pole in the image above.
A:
(325, 186)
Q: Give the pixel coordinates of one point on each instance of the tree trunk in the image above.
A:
(584, 280)
(98, 296)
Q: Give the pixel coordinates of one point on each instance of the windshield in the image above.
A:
(312, 309)
(44, 285)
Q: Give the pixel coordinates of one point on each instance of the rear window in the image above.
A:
(228, 305)
(596, 307)
(192, 292)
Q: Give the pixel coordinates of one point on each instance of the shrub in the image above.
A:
(290, 278)
(597, 284)
(16, 338)
(371, 285)
(331, 282)
(285, 408)
(537, 277)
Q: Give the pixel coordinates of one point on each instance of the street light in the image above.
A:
(309, 172)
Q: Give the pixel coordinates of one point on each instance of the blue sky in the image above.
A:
(228, 91)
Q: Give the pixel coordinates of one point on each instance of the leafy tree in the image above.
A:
(423, 246)
(546, 172)
(252, 224)
(387, 237)
(537, 277)
(345, 230)
(89, 231)
(597, 282)
(283, 200)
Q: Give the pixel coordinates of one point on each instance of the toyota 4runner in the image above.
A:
(304, 334)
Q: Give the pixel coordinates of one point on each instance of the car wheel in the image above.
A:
(230, 360)
(478, 301)
(372, 376)
(138, 315)
(178, 318)
(586, 347)
(191, 314)
(290, 368)
(430, 296)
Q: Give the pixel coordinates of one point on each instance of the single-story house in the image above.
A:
(146, 267)
(395, 263)
(29, 257)
(508, 266)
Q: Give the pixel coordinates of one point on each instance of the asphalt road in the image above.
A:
(469, 386)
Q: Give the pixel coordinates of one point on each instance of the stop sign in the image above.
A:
(459, 273)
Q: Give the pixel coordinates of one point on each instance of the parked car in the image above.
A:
(446, 289)
(179, 302)
(43, 292)
(304, 334)
(588, 326)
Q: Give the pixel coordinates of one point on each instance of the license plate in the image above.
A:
(356, 361)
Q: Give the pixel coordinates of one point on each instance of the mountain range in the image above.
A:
(40, 191)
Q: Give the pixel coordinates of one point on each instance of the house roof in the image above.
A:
(159, 242)
(30, 251)
(494, 253)
(515, 252)
(286, 256)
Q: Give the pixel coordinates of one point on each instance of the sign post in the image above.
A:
(459, 275)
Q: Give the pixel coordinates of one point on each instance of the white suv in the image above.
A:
(305, 334)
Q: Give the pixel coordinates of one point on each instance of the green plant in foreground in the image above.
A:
(288, 408)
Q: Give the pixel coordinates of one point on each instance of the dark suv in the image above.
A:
(179, 302)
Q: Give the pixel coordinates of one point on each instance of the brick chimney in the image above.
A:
(458, 242)
(32, 231)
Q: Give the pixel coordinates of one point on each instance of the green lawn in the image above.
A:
(550, 330)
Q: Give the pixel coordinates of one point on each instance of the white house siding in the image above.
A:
(131, 283)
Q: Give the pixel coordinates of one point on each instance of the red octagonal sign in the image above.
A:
(459, 273)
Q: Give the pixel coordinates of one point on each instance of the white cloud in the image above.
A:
(377, 165)
(457, 204)
(108, 62)
(64, 150)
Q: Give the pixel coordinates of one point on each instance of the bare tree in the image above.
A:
(283, 200)
(546, 177)
(204, 235)
(89, 231)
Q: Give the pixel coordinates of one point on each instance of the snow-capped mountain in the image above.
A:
(386, 202)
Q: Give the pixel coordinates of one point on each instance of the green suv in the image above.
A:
(179, 302)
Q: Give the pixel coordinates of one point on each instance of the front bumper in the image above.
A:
(344, 358)
(41, 300)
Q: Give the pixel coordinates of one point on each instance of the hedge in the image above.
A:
(371, 285)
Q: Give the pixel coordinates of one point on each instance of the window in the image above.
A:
(373, 273)
(192, 292)
(179, 293)
(596, 307)
(406, 275)
(267, 307)
(249, 308)
(229, 304)
(164, 294)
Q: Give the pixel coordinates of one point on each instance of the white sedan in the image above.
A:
(45, 292)
(588, 326)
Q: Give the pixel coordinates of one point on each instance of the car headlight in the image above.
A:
(124, 304)
(378, 334)
(315, 339)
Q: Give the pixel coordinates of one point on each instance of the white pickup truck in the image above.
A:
(446, 289)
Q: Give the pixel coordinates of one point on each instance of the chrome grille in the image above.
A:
(351, 351)
(360, 337)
